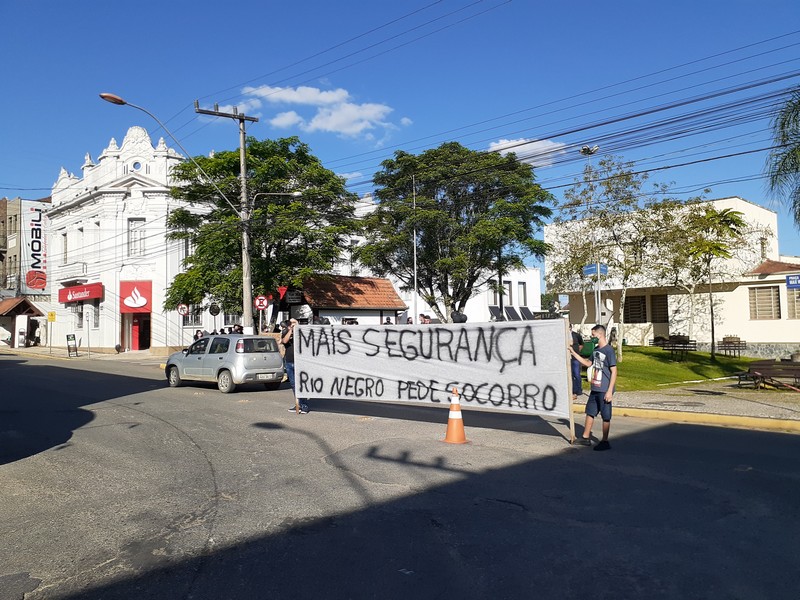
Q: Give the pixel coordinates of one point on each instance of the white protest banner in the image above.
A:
(517, 366)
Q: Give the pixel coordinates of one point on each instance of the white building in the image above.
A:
(110, 260)
(753, 302)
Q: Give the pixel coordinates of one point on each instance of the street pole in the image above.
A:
(416, 288)
(244, 210)
(588, 152)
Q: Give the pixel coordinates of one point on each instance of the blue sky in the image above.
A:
(357, 80)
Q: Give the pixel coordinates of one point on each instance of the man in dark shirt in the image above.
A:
(577, 382)
(287, 339)
(603, 378)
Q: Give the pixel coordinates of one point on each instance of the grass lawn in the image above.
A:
(644, 368)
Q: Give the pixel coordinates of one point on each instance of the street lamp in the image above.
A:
(588, 152)
(242, 213)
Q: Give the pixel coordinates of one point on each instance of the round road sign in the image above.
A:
(183, 310)
(261, 302)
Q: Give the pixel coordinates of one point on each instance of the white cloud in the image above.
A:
(351, 176)
(300, 95)
(349, 119)
(286, 119)
(539, 153)
(333, 112)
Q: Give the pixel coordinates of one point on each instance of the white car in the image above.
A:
(230, 360)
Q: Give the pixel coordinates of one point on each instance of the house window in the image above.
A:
(794, 303)
(635, 309)
(231, 320)
(765, 303)
(96, 313)
(194, 318)
(64, 255)
(522, 294)
(659, 308)
(136, 237)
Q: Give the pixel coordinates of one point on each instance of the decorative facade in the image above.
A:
(110, 260)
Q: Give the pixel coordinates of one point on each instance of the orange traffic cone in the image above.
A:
(455, 424)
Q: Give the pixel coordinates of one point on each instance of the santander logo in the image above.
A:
(135, 300)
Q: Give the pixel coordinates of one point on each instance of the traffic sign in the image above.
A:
(183, 310)
(51, 317)
(261, 302)
(592, 270)
(793, 282)
(214, 309)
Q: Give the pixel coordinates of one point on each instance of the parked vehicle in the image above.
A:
(230, 360)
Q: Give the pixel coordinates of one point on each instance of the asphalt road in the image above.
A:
(114, 486)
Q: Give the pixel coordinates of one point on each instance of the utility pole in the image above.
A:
(244, 210)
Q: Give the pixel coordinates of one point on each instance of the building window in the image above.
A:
(77, 309)
(794, 303)
(635, 309)
(765, 303)
(64, 254)
(194, 318)
(136, 237)
(96, 313)
(659, 308)
(231, 320)
(522, 294)
(506, 293)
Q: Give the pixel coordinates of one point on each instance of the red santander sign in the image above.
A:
(78, 293)
(135, 296)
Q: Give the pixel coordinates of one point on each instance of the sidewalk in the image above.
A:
(709, 403)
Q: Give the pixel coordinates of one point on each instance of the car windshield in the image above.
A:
(260, 345)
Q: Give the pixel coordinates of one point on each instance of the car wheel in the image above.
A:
(274, 385)
(174, 377)
(225, 382)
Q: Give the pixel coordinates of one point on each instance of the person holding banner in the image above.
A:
(603, 378)
(287, 339)
(577, 382)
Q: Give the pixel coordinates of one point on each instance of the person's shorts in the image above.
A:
(596, 405)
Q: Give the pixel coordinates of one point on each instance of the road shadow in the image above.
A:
(32, 422)
(428, 413)
(676, 511)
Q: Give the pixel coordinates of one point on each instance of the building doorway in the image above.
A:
(136, 331)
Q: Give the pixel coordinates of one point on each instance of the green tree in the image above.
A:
(606, 217)
(291, 237)
(711, 234)
(475, 215)
(783, 165)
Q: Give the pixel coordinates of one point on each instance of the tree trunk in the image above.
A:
(585, 308)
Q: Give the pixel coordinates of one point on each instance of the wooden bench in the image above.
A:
(778, 374)
(679, 349)
(732, 346)
(678, 345)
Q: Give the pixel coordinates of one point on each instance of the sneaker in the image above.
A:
(603, 446)
(582, 441)
(303, 411)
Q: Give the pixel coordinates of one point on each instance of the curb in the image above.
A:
(757, 423)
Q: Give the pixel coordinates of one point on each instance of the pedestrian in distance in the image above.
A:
(388, 321)
(198, 334)
(287, 339)
(577, 381)
(409, 321)
(603, 379)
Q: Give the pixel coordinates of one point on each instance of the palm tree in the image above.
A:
(783, 164)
